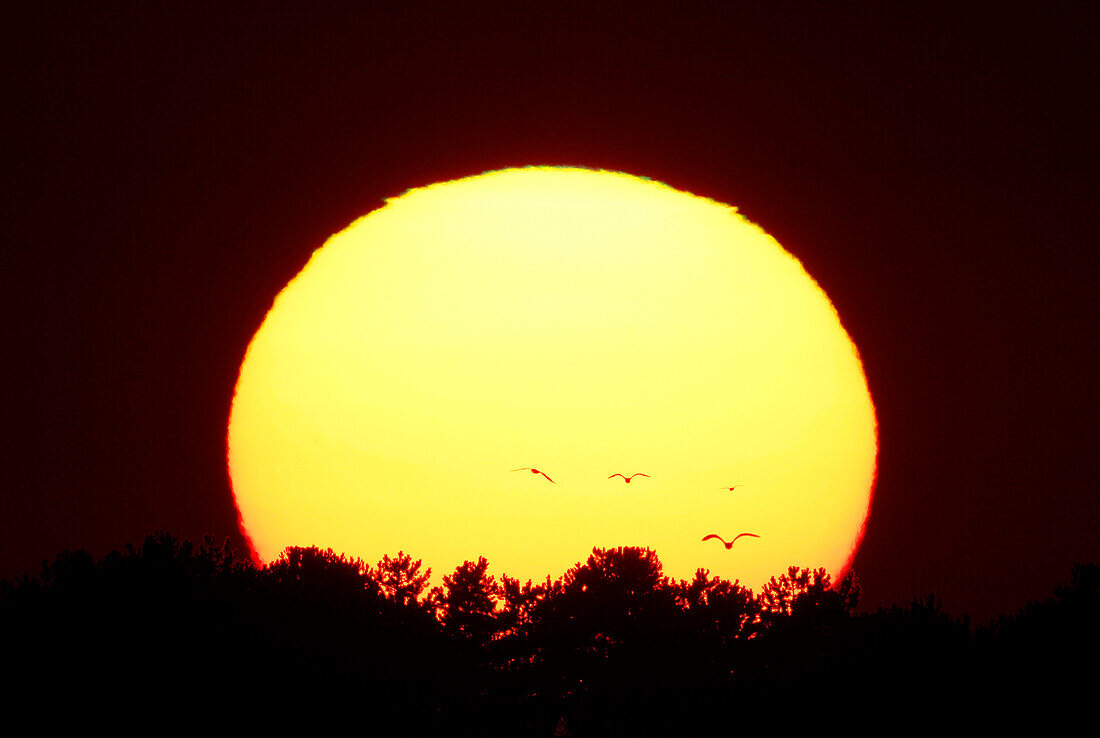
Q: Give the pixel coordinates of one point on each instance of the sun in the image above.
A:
(578, 323)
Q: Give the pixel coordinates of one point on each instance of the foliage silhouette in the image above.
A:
(607, 640)
(611, 647)
(518, 605)
(1039, 654)
(401, 580)
(466, 603)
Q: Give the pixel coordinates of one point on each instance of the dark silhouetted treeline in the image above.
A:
(168, 633)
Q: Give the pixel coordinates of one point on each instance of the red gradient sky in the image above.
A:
(168, 171)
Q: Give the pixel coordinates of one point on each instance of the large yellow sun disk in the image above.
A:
(580, 322)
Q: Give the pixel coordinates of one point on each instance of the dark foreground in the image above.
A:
(168, 635)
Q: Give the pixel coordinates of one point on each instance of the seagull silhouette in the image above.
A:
(637, 474)
(728, 545)
(534, 471)
(732, 488)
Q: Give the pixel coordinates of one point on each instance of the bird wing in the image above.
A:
(544, 474)
(744, 534)
(639, 474)
(713, 535)
(523, 468)
(616, 475)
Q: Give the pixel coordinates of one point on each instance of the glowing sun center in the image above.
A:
(582, 323)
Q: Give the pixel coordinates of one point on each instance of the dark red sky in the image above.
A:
(167, 172)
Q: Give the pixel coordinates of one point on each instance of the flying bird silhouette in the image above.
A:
(728, 544)
(733, 487)
(534, 471)
(627, 479)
